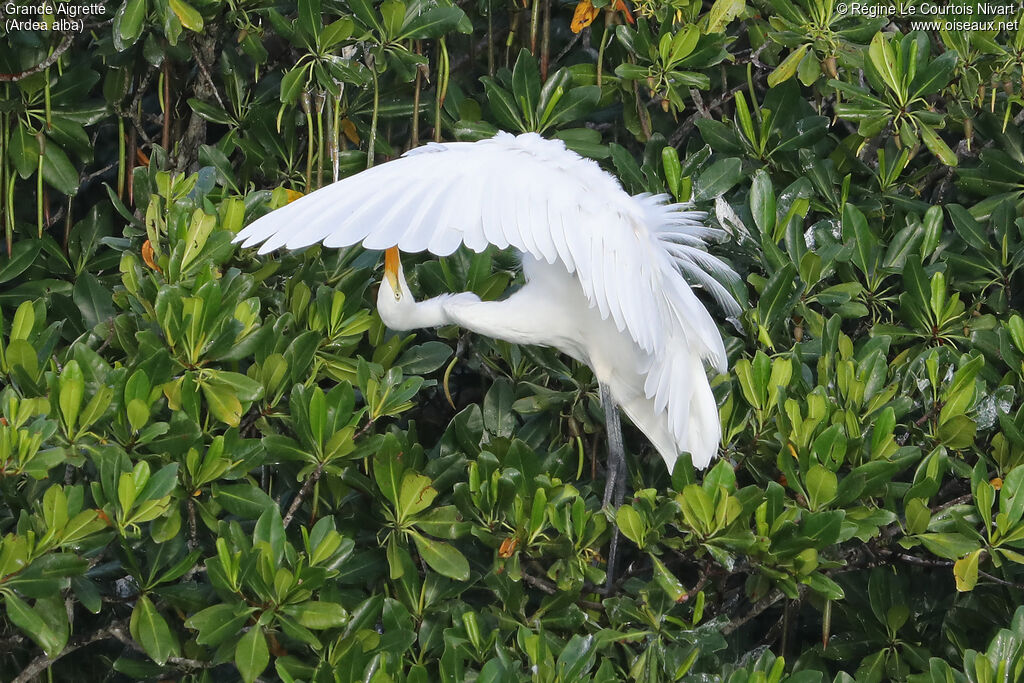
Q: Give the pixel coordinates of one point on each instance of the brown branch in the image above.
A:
(1000, 581)
(205, 72)
(950, 503)
(539, 583)
(65, 43)
(307, 486)
(684, 128)
(551, 589)
(43, 662)
(914, 559)
(181, 662)
(756, 610)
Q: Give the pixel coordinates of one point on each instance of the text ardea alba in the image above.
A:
(604, 271)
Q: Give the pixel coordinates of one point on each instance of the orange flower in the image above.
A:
(997, 483)
(292, 194)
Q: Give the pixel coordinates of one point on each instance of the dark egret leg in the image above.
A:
(615, 485)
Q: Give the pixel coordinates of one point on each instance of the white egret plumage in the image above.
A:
(606, 273)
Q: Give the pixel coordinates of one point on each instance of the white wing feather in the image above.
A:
(629, 254)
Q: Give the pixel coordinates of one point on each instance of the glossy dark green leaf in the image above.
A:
(252, 655)
(150, 629)
(443, 558)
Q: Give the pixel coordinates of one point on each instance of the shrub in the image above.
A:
(218, 466)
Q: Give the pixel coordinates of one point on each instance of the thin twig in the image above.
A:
(181, 662)
(43, 662)
(1002, 582)
(551, 589)
(684, 128)
(914, 559)
(307, 486)
(206, 74)
(65, 43)
(755, 611)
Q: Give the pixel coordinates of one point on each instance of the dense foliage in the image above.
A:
(216, 466)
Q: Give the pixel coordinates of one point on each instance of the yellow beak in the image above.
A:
(391, 264)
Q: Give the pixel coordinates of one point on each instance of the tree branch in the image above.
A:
(181, 662)
(756, 610)
(65, 43)
(303, 492)
(42, 662)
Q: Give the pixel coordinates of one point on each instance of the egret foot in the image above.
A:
(615, 485)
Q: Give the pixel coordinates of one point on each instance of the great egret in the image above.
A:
(604, 272)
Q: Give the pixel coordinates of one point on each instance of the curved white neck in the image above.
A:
(404, 313)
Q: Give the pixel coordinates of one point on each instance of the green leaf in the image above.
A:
(218, 623)
(292, 84)
(762, 202)
(957, 431)
(415, 495)
(573, 105)
(631, 524)
(58, 171)
(952, 546)
(433, 23)
(22, 256)
(392, 14)
(967, 226)
(245, 500)
(442, 558)
(336, 32)
(503, 106)
(668, 581)
(965, 571)
(526, 84)
(916, 296)
(884, 60)
(94, 301)
(717, 179)
(252, 655)
(32, 624)
(787, 68)
(189, 17)
(388, 469)
(856, 223)
(72, 391)
(318, 615)
(223, 403)
(936, 145)
(23, 151)
(672, 168)
(722, 12)
(918, 516)
(824, 586)
(151, 631)
(129, 21)
(935, 76)
(822, 485)
(773, 306)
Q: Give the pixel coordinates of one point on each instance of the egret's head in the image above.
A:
(391, 266)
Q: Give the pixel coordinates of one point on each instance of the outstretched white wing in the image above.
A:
(533, 195)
